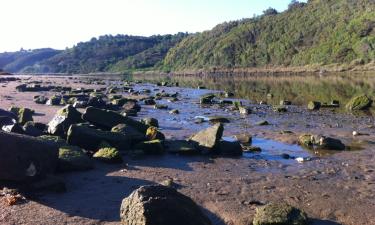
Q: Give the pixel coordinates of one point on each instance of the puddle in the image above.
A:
(275, 150)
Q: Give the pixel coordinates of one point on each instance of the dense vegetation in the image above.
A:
(106, 53)
(17, 61)
(319, 32)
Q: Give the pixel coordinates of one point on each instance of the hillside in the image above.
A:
(103, 54)
(16, 61)
(319, 32)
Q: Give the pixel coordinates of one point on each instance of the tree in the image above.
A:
(270, 11)
(295, 4)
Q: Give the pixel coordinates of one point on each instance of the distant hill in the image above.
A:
(319, 32)
(103, 54)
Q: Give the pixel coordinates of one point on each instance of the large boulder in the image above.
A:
(134, 135)
(181, 147)
(108, 155)
(154, 147)
(107, 119)
(208, 139)
(230, 148)
(279, 214)
(328, 143)
(25, 158)
(359, 103)
(63, 119)
(89, 138)
(30, 128)
(160, 205)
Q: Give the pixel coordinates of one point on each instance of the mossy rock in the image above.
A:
(72, 158)
(279, 214)
(306, 140)
(23, 114)
(154, 147)
(108, 155)
(312, 105)
(153, 133)
(361, 102)
(150, 122)
(58, 140)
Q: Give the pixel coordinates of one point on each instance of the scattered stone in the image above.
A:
(285, 102)
(149, 102)
(89, 138)
(230, 148)
(107, 119)
(150, 122)
(160, 205)
(207, 99)
(314, 105)
(244, 110)
(262, 123)
(54, 100)
(153, 133)
(243, 138)
(280, 109)
(25, 158)
(361, 102)
(72, 158)
(180, 147)
(159, 106)
(30, 129)
(306, 140)
(108, 155)
(154, 147)
(218, 119)
(328, 143)
(279, 214)
(63, 119)
(174, 111)
(23, 114)
(251, 149)
(134, 135)
(40, 100)
(206, 140)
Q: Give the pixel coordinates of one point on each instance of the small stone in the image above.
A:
(279, 214)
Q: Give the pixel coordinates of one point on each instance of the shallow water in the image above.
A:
(297, 88)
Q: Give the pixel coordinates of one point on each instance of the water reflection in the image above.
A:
(298, 88)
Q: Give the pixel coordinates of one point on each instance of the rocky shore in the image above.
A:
(83, 150)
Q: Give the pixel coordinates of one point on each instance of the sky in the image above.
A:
(58, 24)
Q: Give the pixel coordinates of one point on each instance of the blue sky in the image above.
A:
(62, 23)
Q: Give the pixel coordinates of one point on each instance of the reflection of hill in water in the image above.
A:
(297, 88)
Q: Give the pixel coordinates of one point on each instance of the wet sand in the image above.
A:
(332, 189)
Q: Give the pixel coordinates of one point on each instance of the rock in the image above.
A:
(30, 129)
(174, 111)
(63, 119)
(23, 114)
(40, 100)
(306, 140)
(314, 105)
(237, 105)
(107, 119)
(132, 105)
(181, 147)
(208, 139)
(218, 119)
(262, 123)
(285, 102)
(207, 99)
(247, 148)
(160, 205)
(72, 158)
(4, 113)
(280, 109)
(13, 128)
(150, 122)
(328, 143)
(25, 158)
(154, 147)
(96, 102)
(108, 155)
(134, 135)
(279, 214)
(149, 102)
(54, 100)
(230, 148)
(243, 138)
(89, 138)
(6, 121)
(244, 110)
(56, 139)
(198, 120)
(153, 133)
(159, 106)
(361, 102)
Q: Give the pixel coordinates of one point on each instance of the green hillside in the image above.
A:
(319, 32)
